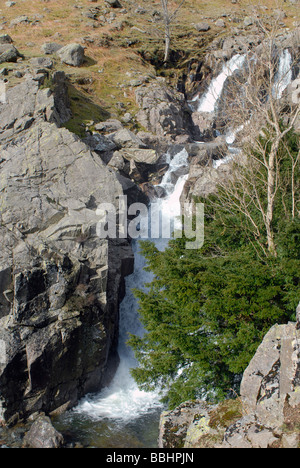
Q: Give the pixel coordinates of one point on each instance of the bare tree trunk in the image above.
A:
(271, 184)
(167, 42)
(168, 19)
(164, 4)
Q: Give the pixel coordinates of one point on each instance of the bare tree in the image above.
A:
(168, 18)
(257, 105)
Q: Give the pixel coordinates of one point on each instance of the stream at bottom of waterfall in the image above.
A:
(80, 429)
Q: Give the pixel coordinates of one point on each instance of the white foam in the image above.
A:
(208, 102)
(284, 75)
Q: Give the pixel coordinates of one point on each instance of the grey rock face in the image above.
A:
(20, 114)
(163, 111)
(8, 53)
(249, 433)
(125, 138)
(272, 379)
(60, 284)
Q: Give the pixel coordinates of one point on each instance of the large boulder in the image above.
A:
(271, 384)
(8, 53)
(72, 54)
(124, 138)
(42, 435)
(50, 48)
(5, 39)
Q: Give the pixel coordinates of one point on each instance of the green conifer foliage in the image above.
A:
(206, 311)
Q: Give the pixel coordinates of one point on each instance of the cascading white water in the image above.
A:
(284, 74)
(208, 102)
(122, 401)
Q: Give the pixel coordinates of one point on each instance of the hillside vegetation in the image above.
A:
(124, 45)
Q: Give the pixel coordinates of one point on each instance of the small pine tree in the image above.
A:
(206, 311)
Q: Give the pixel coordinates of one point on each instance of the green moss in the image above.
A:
(210, 440)
(83, 111)
(226, 414)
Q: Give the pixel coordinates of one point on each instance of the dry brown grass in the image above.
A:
(113, 68)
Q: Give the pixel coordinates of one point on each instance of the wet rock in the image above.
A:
(160, 192)
(204, 153)
(204, 125)
(175, 175)
(42, 435)
(148, 190)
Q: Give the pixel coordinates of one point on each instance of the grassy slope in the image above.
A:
(113, 68)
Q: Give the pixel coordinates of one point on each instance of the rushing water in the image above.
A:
(284, 74)
(208, 102)
(122, 415)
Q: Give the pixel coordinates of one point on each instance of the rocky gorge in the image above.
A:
(61, 285)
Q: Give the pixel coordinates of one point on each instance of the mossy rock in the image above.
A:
(226, 414)
(208, 428)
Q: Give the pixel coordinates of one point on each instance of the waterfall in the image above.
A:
(208, 102)
(122, 401)
(284, 74)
